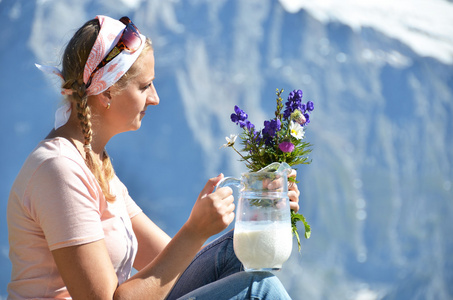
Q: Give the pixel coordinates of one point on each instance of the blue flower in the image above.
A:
(239, 115)
(307, 119)
(294, 102)
(303, 107)
(257, 137)
(249, 125)
(253, 141)
(271, 127)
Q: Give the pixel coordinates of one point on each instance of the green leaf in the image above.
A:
(299, 218)
(297, 237)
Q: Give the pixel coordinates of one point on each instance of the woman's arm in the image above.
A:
(151, 240)
(87, 270)
(89, 274)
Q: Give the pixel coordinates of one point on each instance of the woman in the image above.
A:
(74, 231)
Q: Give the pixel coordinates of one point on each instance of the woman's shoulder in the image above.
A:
(53, 149)
(52, 167)
(51, 155)
(57, 146)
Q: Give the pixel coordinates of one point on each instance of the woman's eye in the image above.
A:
(147, 86)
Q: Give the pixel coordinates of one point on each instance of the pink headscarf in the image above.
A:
(106, 76)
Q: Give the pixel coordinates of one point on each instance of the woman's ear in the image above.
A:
(107, 94)
(105, 98)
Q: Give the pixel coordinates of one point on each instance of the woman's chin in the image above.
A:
(137, 125)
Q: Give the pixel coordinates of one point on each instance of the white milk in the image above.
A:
(263, 245)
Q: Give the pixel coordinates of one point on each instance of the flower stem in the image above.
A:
(240, 155)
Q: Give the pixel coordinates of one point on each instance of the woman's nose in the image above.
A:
(153, 97)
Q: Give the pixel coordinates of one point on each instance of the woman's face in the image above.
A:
(129, 105)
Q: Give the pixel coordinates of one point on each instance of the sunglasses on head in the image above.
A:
(130, 40)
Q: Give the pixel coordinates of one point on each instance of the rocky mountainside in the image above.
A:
(378, 193)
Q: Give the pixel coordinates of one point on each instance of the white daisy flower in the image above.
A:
(297, 130)
(230, 140)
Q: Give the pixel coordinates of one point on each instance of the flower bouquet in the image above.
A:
(281, 140)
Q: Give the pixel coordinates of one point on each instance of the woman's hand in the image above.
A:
(213, 211)
(293, 192)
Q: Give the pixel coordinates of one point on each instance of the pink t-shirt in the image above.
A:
(56, 202)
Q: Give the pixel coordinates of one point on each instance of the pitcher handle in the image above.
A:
(228, 181)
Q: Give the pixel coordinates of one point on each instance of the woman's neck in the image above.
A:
(75, 136)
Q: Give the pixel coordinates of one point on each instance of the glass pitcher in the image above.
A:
(262, 235)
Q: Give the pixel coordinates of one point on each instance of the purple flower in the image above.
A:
(271, 127)
(239, 115)
(286, 147)
(307, 118)
(310, 106)
(303, 107)
(294, 102)
(235, 118)
(249, 125)
(257, 137)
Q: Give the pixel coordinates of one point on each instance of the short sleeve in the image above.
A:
(132, 208)
(67, 203)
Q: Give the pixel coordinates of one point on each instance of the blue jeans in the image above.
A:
(216, 273)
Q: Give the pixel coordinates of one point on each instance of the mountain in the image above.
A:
(378, 193)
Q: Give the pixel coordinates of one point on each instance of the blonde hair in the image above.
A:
(74, 59)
